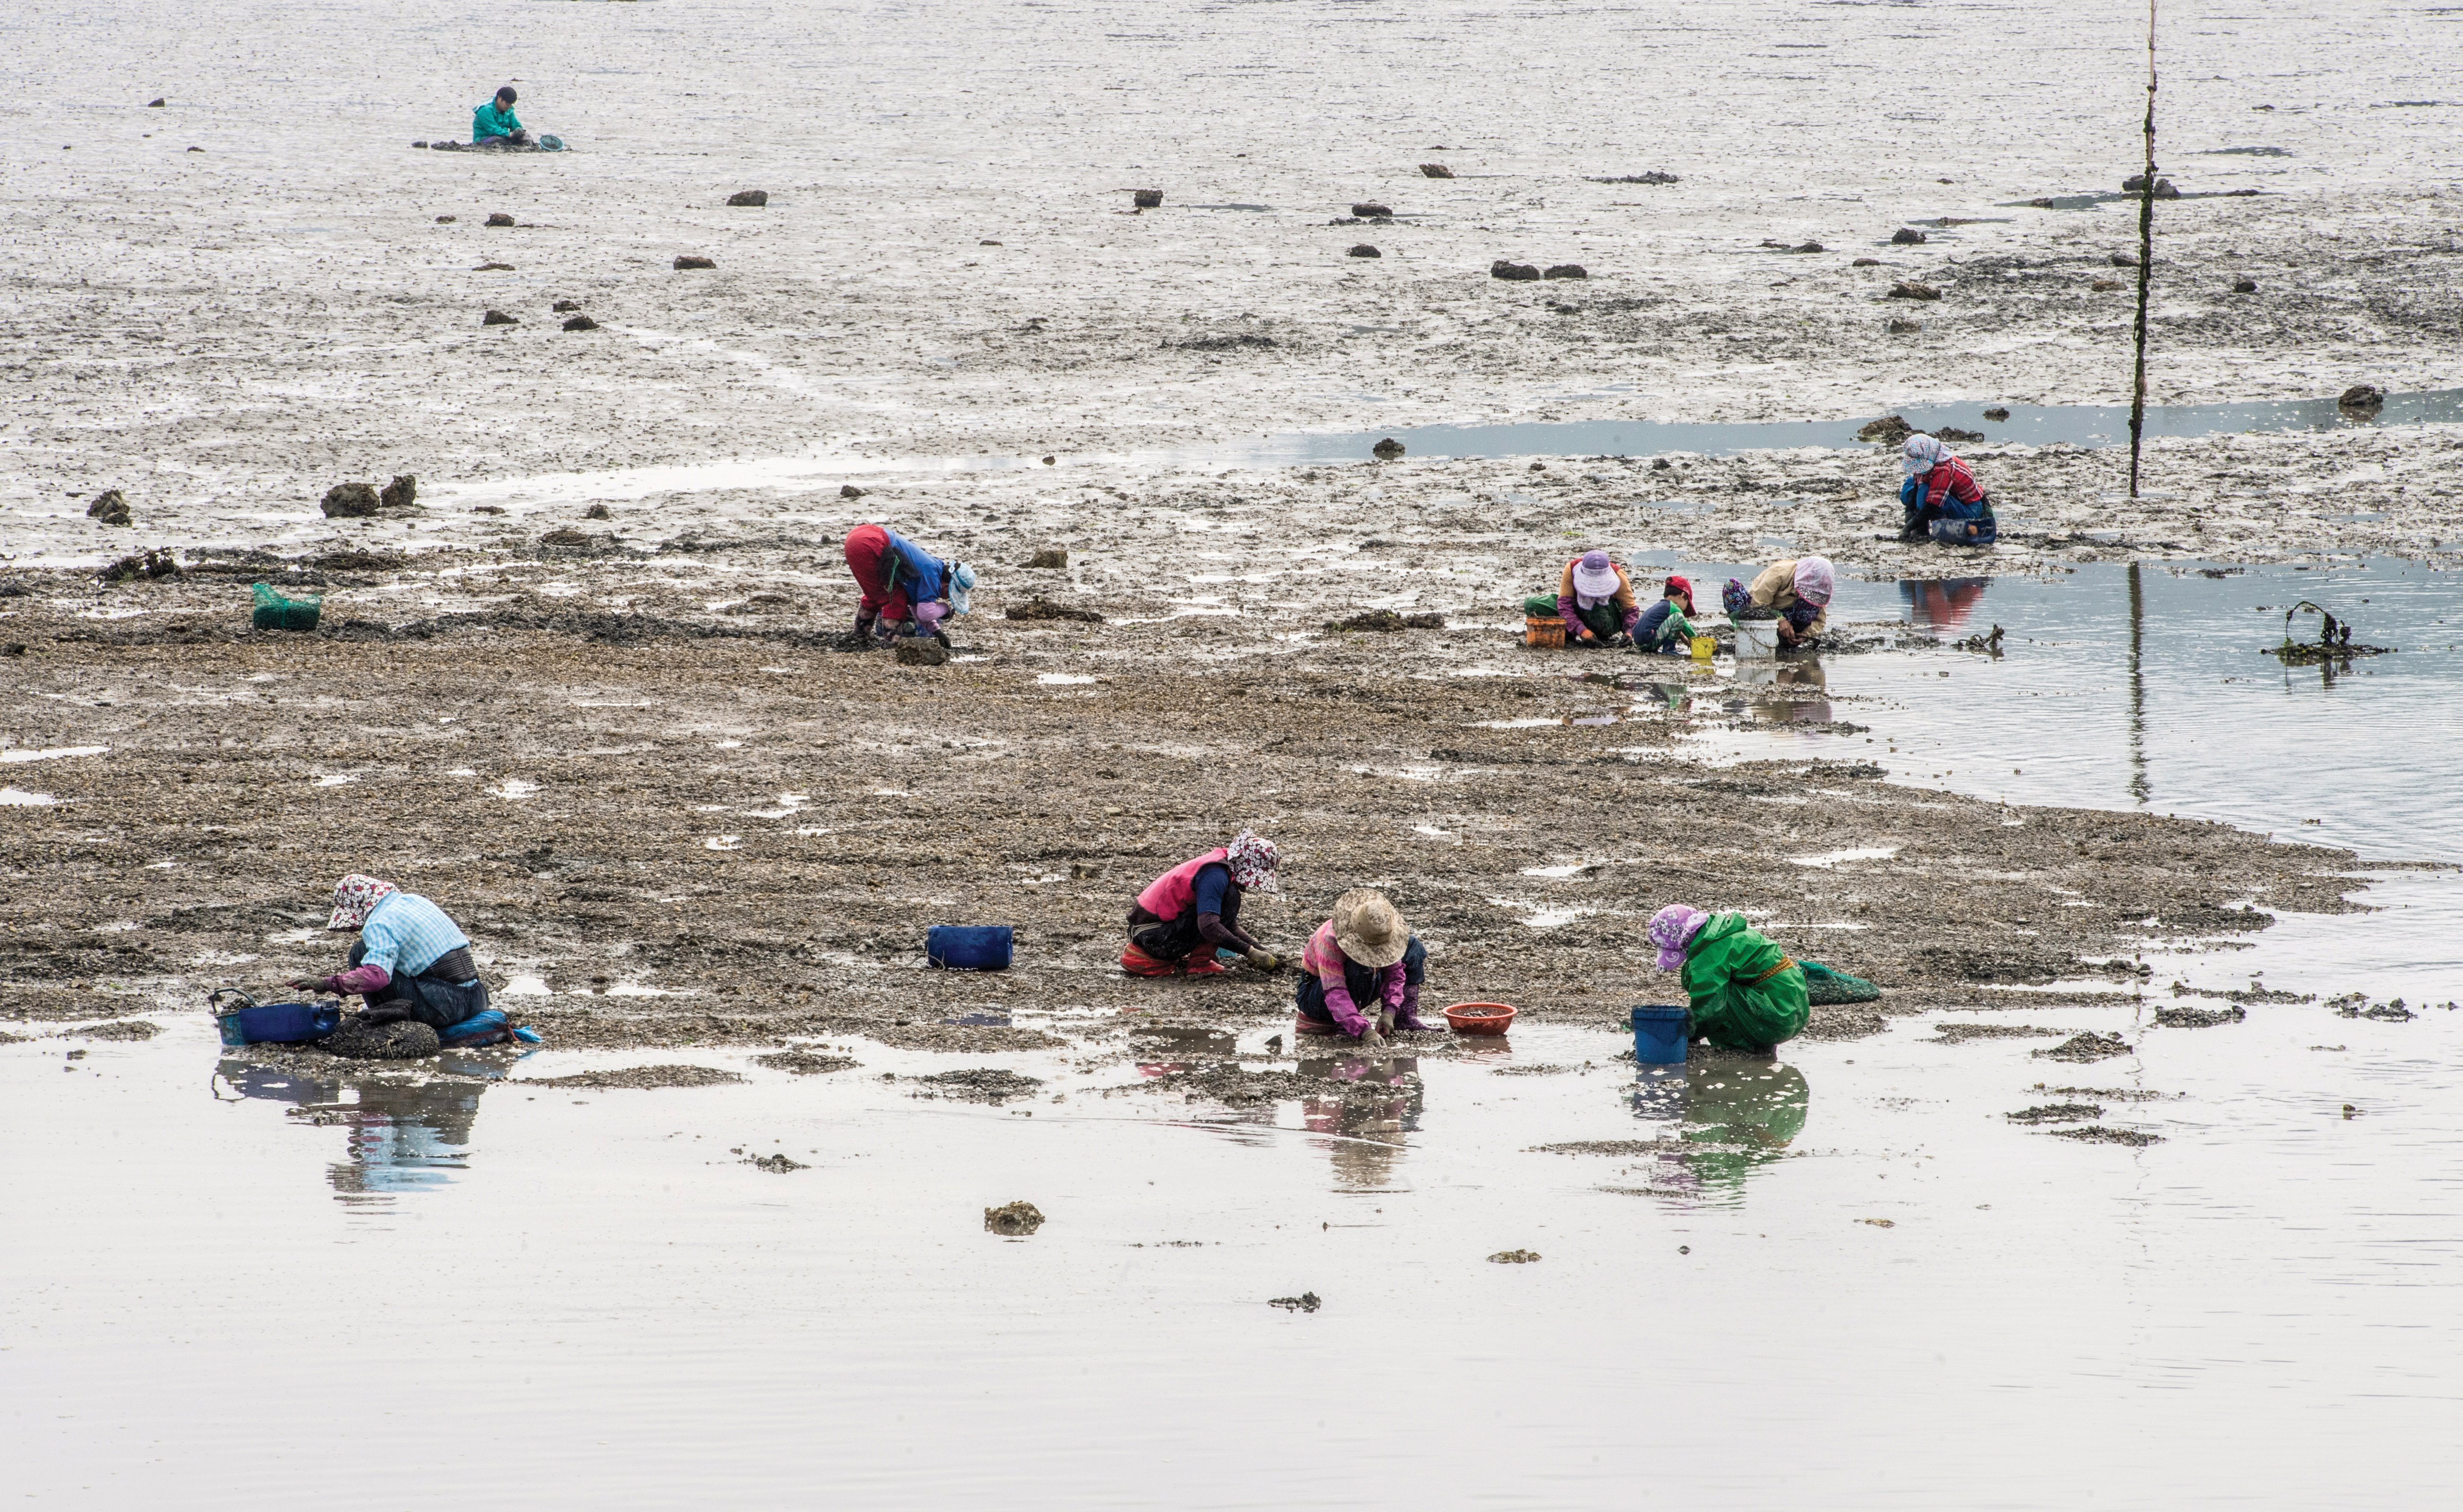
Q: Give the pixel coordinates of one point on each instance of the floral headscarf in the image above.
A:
(355, 897)
(1670, 928)
(1252, 863)
(1813, 579)
(1921, 454)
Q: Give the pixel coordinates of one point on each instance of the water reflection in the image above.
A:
(1371, 1103)
(1941, 604)
(399, 1134)
(1788, 689)
(1730, 1113)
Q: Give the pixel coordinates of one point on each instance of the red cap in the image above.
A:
(1678, 585)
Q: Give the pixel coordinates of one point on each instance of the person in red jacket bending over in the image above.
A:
(1188, 914)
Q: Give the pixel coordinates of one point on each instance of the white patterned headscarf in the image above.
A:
(1921, 454)
(1252, 863)
(355, 897)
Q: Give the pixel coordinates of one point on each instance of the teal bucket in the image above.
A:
(1659, 1034)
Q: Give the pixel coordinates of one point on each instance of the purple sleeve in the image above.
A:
(362, 980)
(1347, 1016)
(1572, 616)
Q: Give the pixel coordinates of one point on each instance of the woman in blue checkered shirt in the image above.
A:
(410, 962)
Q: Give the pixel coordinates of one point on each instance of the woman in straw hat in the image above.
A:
(1361, 971)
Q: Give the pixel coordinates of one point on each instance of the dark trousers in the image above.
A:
(437, 1004)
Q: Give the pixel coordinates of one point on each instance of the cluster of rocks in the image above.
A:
(571, 309)
(1526, 273)
(361, 500)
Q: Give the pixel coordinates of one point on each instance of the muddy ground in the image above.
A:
(680, 826)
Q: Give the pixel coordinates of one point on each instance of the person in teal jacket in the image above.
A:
(493, 124)
(1747, 995)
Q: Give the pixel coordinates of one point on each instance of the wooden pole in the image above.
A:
(2145, 260)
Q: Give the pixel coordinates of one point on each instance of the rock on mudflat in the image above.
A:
(1370, 210)
(1567, 270)
(1364, 250)
(2124, 259)
(497, 317)
(848, 490)
(350, 501)
(581, 323)
(2362, 395)
(1906, 291)
(109, 507)
(1998, 412)
(1906, 236)
(499, 218)
(1865, 262)
(1387, 450)
(2244, 286)
(921, 652)
(1049, 557)
(565, 306)
(1901, 325)
(596, 511)
(1889, 430)
(1015, 1221)
(1518, 271)
(749, 197)
(156, 104)
(1145, 199)
(2136, 184)
(2103, 286)
(402, 493)
(1436, 170)
(685, 264)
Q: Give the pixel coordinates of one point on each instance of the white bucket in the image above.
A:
(1756, 639)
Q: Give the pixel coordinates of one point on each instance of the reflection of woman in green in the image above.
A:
(1739, 1115)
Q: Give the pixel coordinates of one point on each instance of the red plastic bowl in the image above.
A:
(1480, 1017)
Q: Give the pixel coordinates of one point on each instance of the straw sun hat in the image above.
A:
(1368, 929)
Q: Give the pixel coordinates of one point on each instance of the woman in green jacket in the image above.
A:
(1747, 995)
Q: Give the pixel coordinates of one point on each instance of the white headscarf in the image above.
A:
(1922, 455)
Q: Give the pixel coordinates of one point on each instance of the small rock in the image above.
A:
(2088, 1047)
(1514, 1257)
(1049, 557)
(500, 218)
(684, 264)
(1436, 170)
(421, 143)
(2136, 184)
(581, 323)
(921, 651)
(1906, 291)
(2124, 259)
(1906, 236)
(1372, 211)
(1145, 199)
(1306, 1301)
(2198, 1018)
(1955, 436)
(402, 493)
(497, 317)
(1364, 250)
(596, 511)
(2244, 286)
(1567, 270)
(848, 490)
(1518, 271)
(2362, 395)
(1865, 262)
(156, 104)
(1809, 247)
(1051, 462)
(565, 306)
(493, 268)
(1015, 1221)
(1387, 450)
(1901, 325)
(988, 243)
(1889, 430)
(778, 1164)
(196, 149)
(350, 501)
(2103, 286)
(108, 506)
(749, 197)
(1996, 412)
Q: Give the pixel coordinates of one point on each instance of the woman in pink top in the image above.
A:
(1361, 972)
(1188, 914)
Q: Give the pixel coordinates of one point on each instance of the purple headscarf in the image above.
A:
(1670, 928)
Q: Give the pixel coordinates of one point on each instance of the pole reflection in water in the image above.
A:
(1729, 1116)
(2137, 688)
(399, 1134)
(1370, 1103)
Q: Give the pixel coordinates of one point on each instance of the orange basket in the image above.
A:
(1542, 632)
(1480, 1017)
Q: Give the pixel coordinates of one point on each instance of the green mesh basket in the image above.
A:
(1825, 985)
(274, 612)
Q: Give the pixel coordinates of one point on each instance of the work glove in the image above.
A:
(312, 985)
(1264, 959)
(1370, 1039)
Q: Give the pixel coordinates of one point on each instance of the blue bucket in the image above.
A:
(279, 1023)
(1659, 1034)
(968, 947)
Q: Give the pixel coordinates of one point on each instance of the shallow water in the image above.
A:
(589, 1290)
